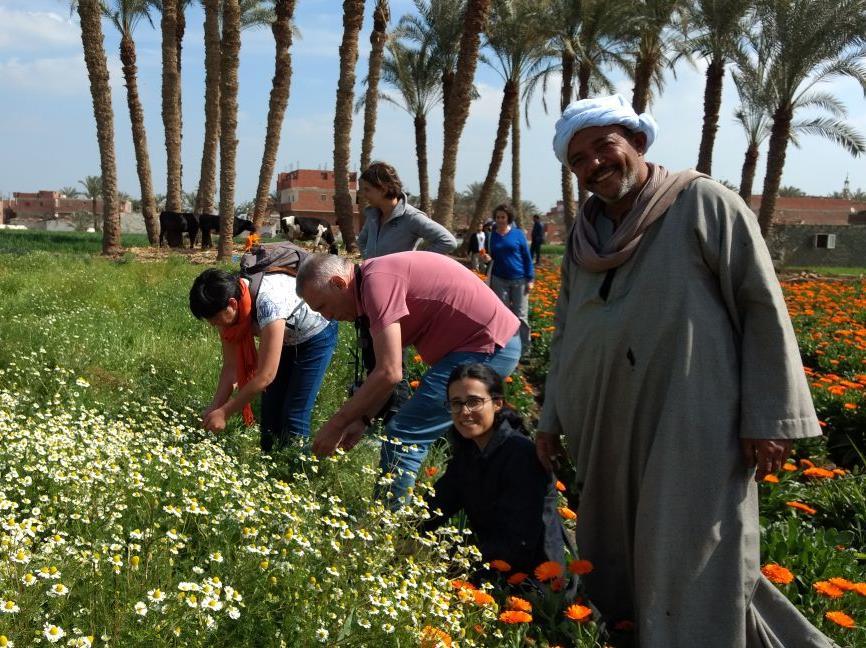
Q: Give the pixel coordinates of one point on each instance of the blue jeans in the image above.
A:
(424, 417)
(288, 401)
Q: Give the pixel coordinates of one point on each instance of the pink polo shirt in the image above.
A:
(441, 306)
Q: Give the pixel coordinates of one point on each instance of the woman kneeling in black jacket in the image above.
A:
(495, 477)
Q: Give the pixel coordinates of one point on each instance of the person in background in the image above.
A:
(495, 477)
(391, 224)
(476, 247)
(295, 348)
(536, 239)
(512, 274)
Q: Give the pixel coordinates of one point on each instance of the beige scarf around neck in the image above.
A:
(653, 200)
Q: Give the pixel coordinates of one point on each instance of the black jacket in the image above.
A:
(508, 497)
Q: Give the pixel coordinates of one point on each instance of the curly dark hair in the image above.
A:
(383, 176)
(504, 208)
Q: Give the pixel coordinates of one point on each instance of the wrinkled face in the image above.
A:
(608, 160)
(226, 317)
(333, 301)
(373, 194)
(474, 419)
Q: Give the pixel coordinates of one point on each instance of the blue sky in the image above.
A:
(48, 137)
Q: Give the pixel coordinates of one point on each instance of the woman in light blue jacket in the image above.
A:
(391, 224)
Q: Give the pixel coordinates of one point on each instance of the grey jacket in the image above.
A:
(402, 231)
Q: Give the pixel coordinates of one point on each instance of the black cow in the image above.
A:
(172, 226)
(308, 228)
(211, 223)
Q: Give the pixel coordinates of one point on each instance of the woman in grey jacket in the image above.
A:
(391, 224)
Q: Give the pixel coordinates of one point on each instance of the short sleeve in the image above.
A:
(276, 299)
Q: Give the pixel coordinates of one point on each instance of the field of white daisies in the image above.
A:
(123, 524)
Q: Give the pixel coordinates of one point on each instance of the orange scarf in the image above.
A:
(240, 334)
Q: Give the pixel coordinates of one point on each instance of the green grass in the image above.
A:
(23, 241)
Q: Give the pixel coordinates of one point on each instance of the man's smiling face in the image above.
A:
(608, 160)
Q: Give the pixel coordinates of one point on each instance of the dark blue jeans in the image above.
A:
(288, 401)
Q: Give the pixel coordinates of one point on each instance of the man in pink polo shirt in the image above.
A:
(410, 298)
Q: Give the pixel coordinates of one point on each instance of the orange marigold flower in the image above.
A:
(515, 616)
(819, 473)
(771, 479)
(580, 567)
(431, 471)
(850, 406)
(860, 588)
(519, 604)
(462, 584)
(557, 584)
(777, 574)
(805, 463)
(560, 486)
(416, 357)
(548, 570)
(414, 384)
(517, 578)
(434, 638)
(840, 618)
(500, 566)
(566, 513)
(802, 507)
(842, 583)
(509, 379)
(483, 598)
(840, 471)
(828, 589)
(579, 613)
(789, 467)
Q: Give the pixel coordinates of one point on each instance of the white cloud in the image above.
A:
(54, 76)
(35, 30)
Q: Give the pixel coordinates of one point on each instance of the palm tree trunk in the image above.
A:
(459, 98)
(642, 78)
(89, 12)
(447, 86)
(775, 165)
(207, 178)
(516, 198)
(506, 119)
(171, 106)
(378, 38)
(712, 105)
(231, 45)
(564, 99)
(353, 17)
(421, 154)
(139, 138)
(747, 177)
(282, 29)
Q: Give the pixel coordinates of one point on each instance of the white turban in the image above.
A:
(600, 111)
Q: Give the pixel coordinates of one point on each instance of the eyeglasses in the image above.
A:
(473, 404)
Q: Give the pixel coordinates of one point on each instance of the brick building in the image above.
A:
(310, 192)
(35, 208)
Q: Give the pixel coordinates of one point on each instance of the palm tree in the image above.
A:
(69, 192)
(92, 189)
(653, 42)
(718, 32)
(518, 41)
(590, 36)
(282, 30)
(353, 16)
(458, 98)
(812, 41)
(437, 26)
(755, 116)
(231, 45)
(125, 15)
(207, 174)
(90, 14)
(171, 117)
(416, 76)
(378, 38)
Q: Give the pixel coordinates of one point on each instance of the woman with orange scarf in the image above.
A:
(295, 347)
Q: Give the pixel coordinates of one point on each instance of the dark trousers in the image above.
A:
(535, 251)
(287, 402)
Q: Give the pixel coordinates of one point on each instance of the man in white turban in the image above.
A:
(676, 381)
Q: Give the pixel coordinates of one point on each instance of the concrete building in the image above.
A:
(310, 192)
(36, 209)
